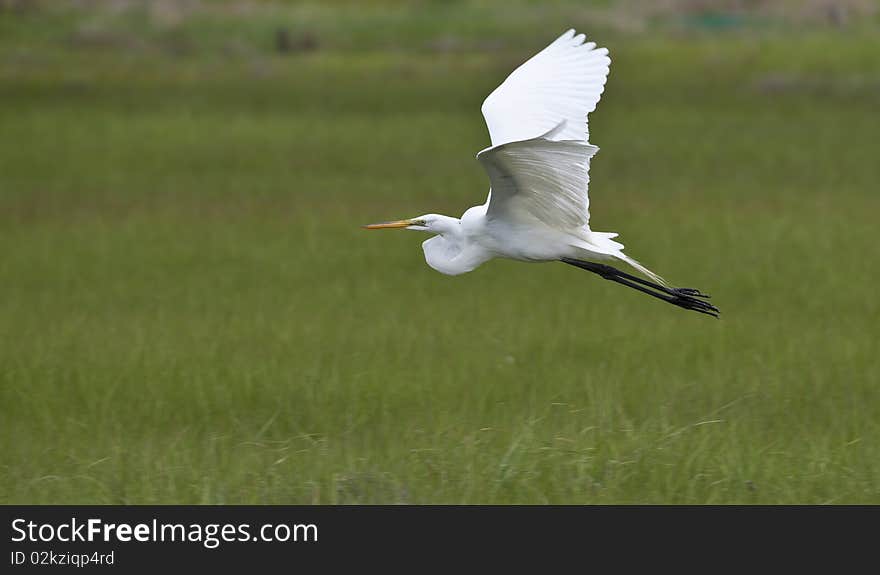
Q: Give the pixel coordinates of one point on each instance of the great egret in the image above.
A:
(538, 166)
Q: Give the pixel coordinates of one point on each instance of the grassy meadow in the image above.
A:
(191, 313)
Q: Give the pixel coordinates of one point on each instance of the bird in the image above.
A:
(538, 163)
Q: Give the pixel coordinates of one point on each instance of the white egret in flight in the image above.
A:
(538, 167)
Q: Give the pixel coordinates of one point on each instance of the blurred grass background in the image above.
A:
(189, 312)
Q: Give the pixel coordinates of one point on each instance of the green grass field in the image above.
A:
(190, 312)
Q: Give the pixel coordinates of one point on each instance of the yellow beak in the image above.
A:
(390, 225)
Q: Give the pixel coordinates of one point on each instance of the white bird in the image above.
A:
(538, 167)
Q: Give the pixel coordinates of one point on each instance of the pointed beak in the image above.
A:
(390, 225)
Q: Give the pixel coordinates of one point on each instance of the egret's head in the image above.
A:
(433, 223)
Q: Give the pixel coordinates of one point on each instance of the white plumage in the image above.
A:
(564, 81)
(538, 167)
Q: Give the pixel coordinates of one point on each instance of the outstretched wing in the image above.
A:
(540, 178)
(564, 81)
(539, 161)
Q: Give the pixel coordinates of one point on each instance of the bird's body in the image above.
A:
(538, 166)
(475, 238)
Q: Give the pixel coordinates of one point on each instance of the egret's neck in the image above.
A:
(446, 226)
(452, 251)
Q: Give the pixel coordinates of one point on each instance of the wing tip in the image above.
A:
(572, 39)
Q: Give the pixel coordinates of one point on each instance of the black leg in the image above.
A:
(686, 298)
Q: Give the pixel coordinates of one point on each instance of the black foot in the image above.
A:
(690, 301)
(690, 292)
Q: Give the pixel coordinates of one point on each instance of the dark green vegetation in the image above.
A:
(190, 313)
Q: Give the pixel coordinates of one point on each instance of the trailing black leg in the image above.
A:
(686, 298)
